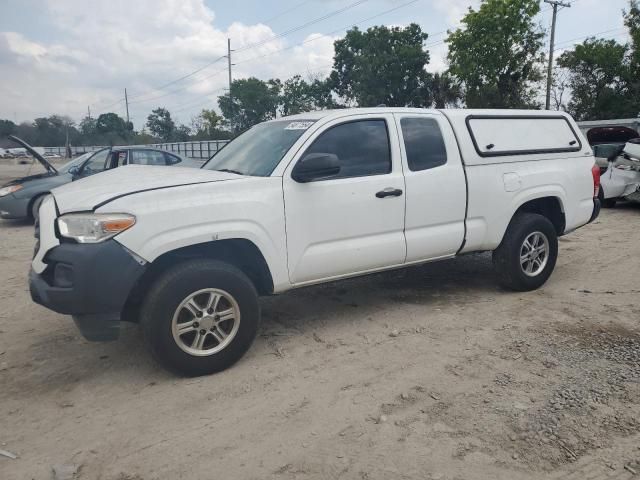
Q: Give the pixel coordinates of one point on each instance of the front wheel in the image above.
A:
(200, 317)
(527, 255)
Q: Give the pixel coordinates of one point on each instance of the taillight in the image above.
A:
(595, 171)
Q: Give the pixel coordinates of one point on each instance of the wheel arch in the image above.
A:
(240, 252)
(550, 207)
(33, 200)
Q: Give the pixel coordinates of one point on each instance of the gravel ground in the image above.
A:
(430, 373)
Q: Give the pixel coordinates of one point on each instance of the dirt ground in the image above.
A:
(427, 373)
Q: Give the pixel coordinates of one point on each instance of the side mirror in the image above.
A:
(316, 166)
(74, 170)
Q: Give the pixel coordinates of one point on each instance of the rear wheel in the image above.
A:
(200, 317)
(527, 255)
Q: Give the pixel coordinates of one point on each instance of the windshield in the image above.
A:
(76, 161)
(258, 151)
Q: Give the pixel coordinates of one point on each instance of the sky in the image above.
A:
(65, 56)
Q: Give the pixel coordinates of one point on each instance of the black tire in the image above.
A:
(506, 258)
(35, 206)
(172, 288)
(609, 202)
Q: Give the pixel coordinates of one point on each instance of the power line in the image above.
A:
(592, 35)
(300, 27)
(183, 77)
(295, 7)
(218, 72)
(257, 57)
(243, 48)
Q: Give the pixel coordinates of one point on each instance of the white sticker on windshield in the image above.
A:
(298, 125)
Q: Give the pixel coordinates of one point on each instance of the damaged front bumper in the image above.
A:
(90, 282)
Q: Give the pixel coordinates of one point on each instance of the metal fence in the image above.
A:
(199, 149)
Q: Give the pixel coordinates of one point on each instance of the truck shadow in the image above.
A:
(464, 280)
(61, 358)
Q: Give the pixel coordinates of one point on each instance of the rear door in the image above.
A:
(435, 184)
(352, 222)
(147, 157)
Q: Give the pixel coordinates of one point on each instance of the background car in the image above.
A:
(619, 176)
(21, 198)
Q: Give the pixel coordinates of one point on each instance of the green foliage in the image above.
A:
(207, 125)
(299, 96)
(252, 101)
(53, 130)
(7, 127)
(384, 65)
(598, 70)
(111, 123)
(498, 54)
(160, 124)
(445, 90)
(182, 133)
(632, 22)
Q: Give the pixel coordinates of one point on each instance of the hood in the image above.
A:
(37, 176)
(599, 135)
(50, 168)
(94, 191)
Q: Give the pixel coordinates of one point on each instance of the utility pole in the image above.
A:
(126, 102)
(229, 61)
(89, 111)
(555, 4)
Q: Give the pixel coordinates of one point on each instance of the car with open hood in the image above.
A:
(21, 197)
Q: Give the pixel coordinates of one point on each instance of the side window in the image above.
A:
(120, 159)
(172, 159)
(361, 146)
(147, 157)
(424, 143)
(95, 164)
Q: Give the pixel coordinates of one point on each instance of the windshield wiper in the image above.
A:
(228, 170)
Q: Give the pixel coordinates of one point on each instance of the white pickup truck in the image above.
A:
(302, 200)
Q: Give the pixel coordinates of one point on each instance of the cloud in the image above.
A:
(455, 9)
(103, 46)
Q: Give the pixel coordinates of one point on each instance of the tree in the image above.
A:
(160, 124)
(632, 22)
(88, 126)
(299, 96)
(111, 123)
(384, 65)
(498, 54)
(253, 101)
(597, 78)
(181, 134)
(7, 127)
(53, 131)
(445, 90)
(559, 86)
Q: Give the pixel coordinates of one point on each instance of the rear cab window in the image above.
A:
(423, 142)
(500, 135)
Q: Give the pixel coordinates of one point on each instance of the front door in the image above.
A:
(353, 221)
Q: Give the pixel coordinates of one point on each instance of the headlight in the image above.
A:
(10, 189)
(94, 227)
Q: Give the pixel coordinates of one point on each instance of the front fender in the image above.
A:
(251, 209)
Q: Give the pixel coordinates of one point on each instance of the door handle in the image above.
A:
(389, 192)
